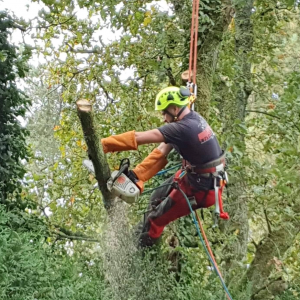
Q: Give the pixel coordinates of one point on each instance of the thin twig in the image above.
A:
(83, 51)
(268, 221)
(78, 238)
(264, 113)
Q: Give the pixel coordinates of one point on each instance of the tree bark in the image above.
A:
(95, 150)
(268, 256)
(235, 117)
(210, 34)
(208, 50)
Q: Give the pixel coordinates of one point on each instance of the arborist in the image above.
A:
(202, 160)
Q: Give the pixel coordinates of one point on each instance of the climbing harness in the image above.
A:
(213, 170)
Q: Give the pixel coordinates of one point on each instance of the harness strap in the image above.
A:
(219, 183)
(180, 112)
(175, 118)
(217, 168)
(213, 166)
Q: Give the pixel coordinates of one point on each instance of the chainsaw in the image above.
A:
(121, 182)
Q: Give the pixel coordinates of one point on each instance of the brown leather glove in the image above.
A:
(152, 164)
(120, 142)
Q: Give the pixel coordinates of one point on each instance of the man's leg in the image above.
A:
(155, 199)
(171, 208)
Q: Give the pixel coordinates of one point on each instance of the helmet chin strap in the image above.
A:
(175, 118)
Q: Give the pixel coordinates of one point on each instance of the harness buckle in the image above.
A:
(193, 170)
(189, 84)
(226, 177)
(193, 201)
(216, 220)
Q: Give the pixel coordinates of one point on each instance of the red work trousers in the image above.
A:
(171, 206)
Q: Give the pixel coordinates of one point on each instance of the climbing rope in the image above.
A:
(193, 87)
(194, 42)
(167, 170)
(191, 84)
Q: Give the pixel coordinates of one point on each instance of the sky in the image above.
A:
(28, 10)
(20, 9)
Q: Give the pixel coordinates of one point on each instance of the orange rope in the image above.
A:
(194, 41)
(208, 247)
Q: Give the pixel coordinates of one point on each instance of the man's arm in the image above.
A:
(153, 136)
(152, 164)
(131, 140)
(165, 149)
(149, 137)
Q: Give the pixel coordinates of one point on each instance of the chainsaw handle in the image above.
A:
(124, 164)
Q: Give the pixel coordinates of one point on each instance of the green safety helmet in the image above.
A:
(172, 95)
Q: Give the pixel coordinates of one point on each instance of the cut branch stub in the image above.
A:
(95, 150)
(84, 105)
(185, 76)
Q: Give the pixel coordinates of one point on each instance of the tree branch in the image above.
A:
(170, 75)
(268, 221)
(77, 237)
(274, 116)
(95, 150)
(52, 24)
(254, 243)
(264, 113)
(83, 51)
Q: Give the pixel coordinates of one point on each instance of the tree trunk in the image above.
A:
(268, 256)
(235, 117)
(95, 150)
(209, 39)
(208, 51)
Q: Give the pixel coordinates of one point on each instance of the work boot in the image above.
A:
(145, 241)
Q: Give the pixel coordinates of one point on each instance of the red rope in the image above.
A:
(194, 41)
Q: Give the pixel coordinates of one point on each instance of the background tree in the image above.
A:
(13, 104)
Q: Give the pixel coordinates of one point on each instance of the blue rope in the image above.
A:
(203, 243)
(165, 171)
(151, 190)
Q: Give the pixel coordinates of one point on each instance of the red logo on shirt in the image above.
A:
(205, 135)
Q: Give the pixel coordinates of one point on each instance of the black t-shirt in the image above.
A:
(192, 138)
